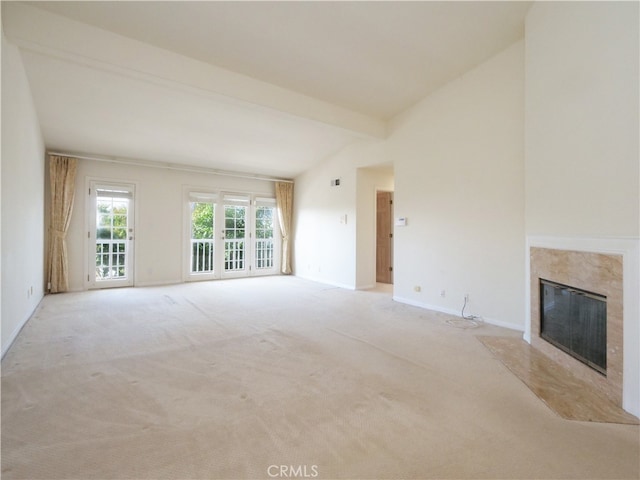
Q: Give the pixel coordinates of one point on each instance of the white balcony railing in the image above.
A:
(264, 253)
(201, 255)
(234, 250)
(111, 259)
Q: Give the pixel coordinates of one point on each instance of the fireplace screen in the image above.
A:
(575, 321)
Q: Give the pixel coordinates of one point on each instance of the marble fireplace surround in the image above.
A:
(600, 267)
(594, 272)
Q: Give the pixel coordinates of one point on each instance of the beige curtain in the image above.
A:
(62, 172)
(284, 202)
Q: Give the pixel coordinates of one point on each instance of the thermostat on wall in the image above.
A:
(401, 222)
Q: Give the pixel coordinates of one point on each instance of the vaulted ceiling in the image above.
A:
(262, 87)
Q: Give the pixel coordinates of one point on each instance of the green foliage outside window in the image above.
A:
(202, 221)
(234, 221)
(112, 221)
(264, 222)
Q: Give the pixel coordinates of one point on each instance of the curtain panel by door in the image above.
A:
(62, 172)
(284, 203)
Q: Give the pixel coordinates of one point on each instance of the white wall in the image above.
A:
(458, 159)
(582, 153)
(459, 179)
(159, 215)
(582, 119)
(324, 248)
(22, 198)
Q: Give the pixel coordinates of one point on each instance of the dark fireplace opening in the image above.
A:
(575, 321)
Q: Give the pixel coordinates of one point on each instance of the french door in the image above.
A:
(110, 235)
(235, 235)
(231, 235)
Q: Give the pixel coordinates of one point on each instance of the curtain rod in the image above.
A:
(169, 166)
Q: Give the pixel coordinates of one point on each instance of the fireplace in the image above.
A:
(587, 272)
(575, 320)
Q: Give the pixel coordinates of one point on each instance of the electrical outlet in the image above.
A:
(466, 297)
(443, 293)
(417, 288)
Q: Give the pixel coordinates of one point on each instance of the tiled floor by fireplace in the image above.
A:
(567, 395)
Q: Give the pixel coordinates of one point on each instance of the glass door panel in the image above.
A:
(264, 244)
(235, 217)
(112, 231)
(202, 238)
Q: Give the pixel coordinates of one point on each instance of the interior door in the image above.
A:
(111, 235)
(384, 237)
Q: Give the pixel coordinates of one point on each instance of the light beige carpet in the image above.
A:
(228, 379)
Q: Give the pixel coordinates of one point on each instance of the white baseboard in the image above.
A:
(326, 282)
(17, 330)
(449, 311)
(158, 284)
